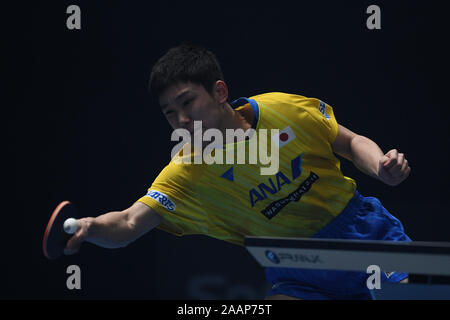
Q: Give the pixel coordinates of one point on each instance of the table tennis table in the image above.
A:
(428, 263)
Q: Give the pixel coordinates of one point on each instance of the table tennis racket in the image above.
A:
(55, 237)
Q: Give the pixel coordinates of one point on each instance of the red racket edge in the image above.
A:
(49, 226)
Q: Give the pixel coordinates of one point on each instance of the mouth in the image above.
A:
(195, 130)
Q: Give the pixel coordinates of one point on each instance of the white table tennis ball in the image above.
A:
(70, 226)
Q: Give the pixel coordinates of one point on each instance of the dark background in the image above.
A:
(85, 129)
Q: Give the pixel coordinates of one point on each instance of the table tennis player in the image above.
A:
(308, 196)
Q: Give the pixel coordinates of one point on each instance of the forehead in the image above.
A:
(177, 91)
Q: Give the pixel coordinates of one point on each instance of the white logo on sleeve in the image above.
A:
(323, 109)
(283, 137)
(163, 199)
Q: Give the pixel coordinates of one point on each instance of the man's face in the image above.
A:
(184, 103)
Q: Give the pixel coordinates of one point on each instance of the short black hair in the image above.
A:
(185, 63)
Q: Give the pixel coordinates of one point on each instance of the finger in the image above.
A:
(398, 166)
(392, 155)
(389, 164)
(400, 173)
(406, 171)
(72, 245)
(404, 165)
(401, 158)
(74, 242)
(396, 170)
(384, 160)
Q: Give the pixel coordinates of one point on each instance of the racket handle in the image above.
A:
(71, 226)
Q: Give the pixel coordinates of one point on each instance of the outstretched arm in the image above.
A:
(391, 168)
(114, 229)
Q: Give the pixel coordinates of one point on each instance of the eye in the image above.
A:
(188, 101)
(169, 112)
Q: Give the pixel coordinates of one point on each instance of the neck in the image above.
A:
(235, 119)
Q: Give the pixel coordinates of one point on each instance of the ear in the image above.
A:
(221, 91)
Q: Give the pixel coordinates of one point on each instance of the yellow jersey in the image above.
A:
(231, 201)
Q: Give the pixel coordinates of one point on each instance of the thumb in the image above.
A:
(74, 243)
(384, 160)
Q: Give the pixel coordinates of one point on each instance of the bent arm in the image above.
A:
(391, 168)
(363, 152)
(115, 229)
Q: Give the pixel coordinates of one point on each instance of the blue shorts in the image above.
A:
(364, 218)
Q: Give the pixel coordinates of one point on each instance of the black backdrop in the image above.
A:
(85, 128)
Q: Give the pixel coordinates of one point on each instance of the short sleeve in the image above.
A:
(172, 195)
(323, 115)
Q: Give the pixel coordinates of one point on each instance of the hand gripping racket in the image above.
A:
(60, 227)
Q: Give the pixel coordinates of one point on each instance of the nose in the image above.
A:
(183, 118)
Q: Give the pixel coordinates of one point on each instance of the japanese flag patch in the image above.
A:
(283, 137)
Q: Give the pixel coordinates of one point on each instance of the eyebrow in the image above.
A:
(181, 95)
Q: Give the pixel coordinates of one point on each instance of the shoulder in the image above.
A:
(278, 98)
(182, 170)
(276, 95)
(280, 101)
